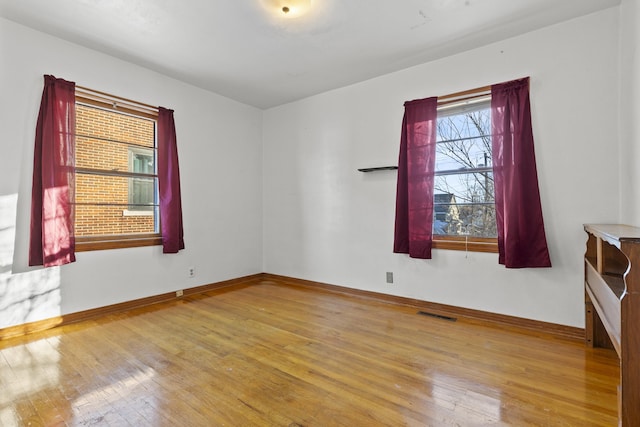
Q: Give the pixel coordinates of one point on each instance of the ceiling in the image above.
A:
(247, 51)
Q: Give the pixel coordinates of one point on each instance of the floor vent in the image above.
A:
(437, 316)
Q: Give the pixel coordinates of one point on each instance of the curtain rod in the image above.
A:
(92, 92)
(466, 93)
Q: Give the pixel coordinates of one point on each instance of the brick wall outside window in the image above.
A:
(98, 154)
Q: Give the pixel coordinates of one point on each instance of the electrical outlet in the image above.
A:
(179, 293)
(192, 271)
(389, 277)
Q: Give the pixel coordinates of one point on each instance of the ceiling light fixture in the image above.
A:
(289, 8)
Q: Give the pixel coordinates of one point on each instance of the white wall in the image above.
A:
(325, 221)
(220, 152)
(630, 112)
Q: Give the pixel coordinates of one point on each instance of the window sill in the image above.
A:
(127, 212)
(460, 243)
(98, 243)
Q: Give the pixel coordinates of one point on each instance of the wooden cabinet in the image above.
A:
(612, 306)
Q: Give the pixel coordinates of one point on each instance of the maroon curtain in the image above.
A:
(416, 164)
(52, 239)
(521, 236)
(169, 184)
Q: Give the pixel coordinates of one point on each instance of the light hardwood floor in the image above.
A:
(271, 354)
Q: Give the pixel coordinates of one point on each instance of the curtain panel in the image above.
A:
(169, 184)
(416, 165)
(52, 239)
(521, 236)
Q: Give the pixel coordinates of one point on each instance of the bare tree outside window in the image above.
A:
(464, 203)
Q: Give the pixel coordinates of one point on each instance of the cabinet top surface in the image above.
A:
(616, 232)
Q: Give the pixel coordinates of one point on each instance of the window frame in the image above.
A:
(454, 242)
(93, 98)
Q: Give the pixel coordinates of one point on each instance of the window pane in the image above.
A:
(111, 125)
(95, 191)
(141, 190)
(471, 220)
(468, 208)
(141, 193)
(463, 154)
(111, 220)
(464, 192)
(143, 162)
(464, 141)
(94, 153)
(467, 187)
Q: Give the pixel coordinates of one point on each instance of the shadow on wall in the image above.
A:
(26, 296)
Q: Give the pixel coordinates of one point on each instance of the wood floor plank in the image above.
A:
(271, 354)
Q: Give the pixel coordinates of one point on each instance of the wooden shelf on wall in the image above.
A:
(379, 168)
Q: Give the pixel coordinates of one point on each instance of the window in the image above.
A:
(116, 174)
(464, 206)
(455, 130)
